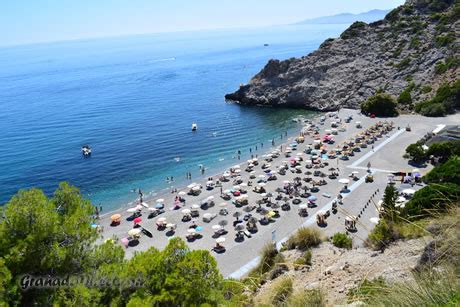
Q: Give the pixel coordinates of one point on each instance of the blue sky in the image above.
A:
(31, 21)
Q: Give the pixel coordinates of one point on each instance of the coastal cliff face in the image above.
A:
(407, 47)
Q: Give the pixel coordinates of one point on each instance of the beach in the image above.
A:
(384, 156)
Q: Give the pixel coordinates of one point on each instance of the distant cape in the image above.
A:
(347, 18)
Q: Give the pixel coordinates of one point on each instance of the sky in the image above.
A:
(33, 21)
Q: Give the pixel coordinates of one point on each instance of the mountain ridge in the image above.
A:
(344, 18)
(388, 55)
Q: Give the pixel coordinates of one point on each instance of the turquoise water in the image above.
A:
(133, 99)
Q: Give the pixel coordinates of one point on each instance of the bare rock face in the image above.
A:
(385, 55)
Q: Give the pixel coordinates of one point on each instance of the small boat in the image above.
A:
(86, 150)
(266, 45)
(194, 127)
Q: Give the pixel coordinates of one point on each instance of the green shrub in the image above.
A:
(431, 288)
(234, 293)
(304, 297)
(380, 105)
(403, 64)
(305, 259)
(426, 89)
(268, 258)
(431, 109)
(281, 291)
(446, 172)
(416, 152)
(304, 239)
(445, 39)
(366, 290)
(341, 240)
(405, 97)
(434, 197)
(383, 234)
(353, 30)
(444, 150)
(440, 67)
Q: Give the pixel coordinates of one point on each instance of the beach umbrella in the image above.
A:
(145, 205)
(159, 206)
(286, 182)
(125, 241)
(115, 217)
(261, 176)
(237, 214)
(220, 240)
(161, 220)
(186, 211)
(207, 215)
(191, 230)
(196, 188)
(137, 220)
(415, 170)
(170, 225)
(210, 198)
(303, 206)
(239, 227)
(355, 172)
(312, 198)
(271, 214)
(348, 218)
(374, 220)
(216, 227)
(223, 204)
(181, 193)
(223, 223)
(131, 210)
(344, 181)
(236, 166)
(160, 200)
(134, 232)
(243, 184)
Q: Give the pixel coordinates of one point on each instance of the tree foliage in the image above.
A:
(381, 105)
(53, 236)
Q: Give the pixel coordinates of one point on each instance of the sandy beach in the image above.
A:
(384, 156)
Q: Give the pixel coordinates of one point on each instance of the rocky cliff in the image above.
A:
(415, 45)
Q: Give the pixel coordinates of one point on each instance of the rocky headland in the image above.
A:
(415, 45)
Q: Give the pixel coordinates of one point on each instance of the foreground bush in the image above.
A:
(445, 101)
(304, 239)
(446, 172)
(306, 297)
(435, 197)
(305, 259)
(280, 291)
(341, 240)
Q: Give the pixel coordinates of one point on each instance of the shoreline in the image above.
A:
(201, 179)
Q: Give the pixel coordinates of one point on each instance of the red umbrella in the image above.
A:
(137, 220)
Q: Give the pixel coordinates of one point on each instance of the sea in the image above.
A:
(133, 100)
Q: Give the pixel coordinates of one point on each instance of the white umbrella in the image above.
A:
(261, 176)
(191, 230)
(160, 200)
(161, 219)
(401, 199)
(134, 232)
(209, 182)
(244, 196)
(220, 240)
(186, 211)
(139, 207)
(152, 209)
(299, 154)
(408, 191)
(374, 220)
(243, 184)
(181, 193)
(286, 182)
(308, 162)
(237, 171)
(145, 205)
(131, 210)
(415, 170)
(236, 187)
(196, 188)
(191, 185)
(210, 198)
(216, 227)
(263, 194)
(195, 206)
(207, 215)
(262, 184)
(236, 166)
(170, 225)
(344, 180)
(303, 206)
(298, 167)
(355, 172)
(223, 204)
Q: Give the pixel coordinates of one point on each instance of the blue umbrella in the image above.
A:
(159, 206)
(312, 198)
(94, 225)
(417, 175)
(198, 228)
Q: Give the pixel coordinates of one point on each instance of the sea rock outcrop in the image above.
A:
(406, 47)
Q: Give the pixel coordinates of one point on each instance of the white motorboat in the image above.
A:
(86, 150)
(194, 127)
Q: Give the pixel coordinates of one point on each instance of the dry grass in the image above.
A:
(305, 238)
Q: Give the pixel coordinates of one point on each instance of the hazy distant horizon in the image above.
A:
(65, 20)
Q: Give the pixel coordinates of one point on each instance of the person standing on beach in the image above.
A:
(250, 149)
(256, 147)
(273, 142)
(100, 209)
(261, 145)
